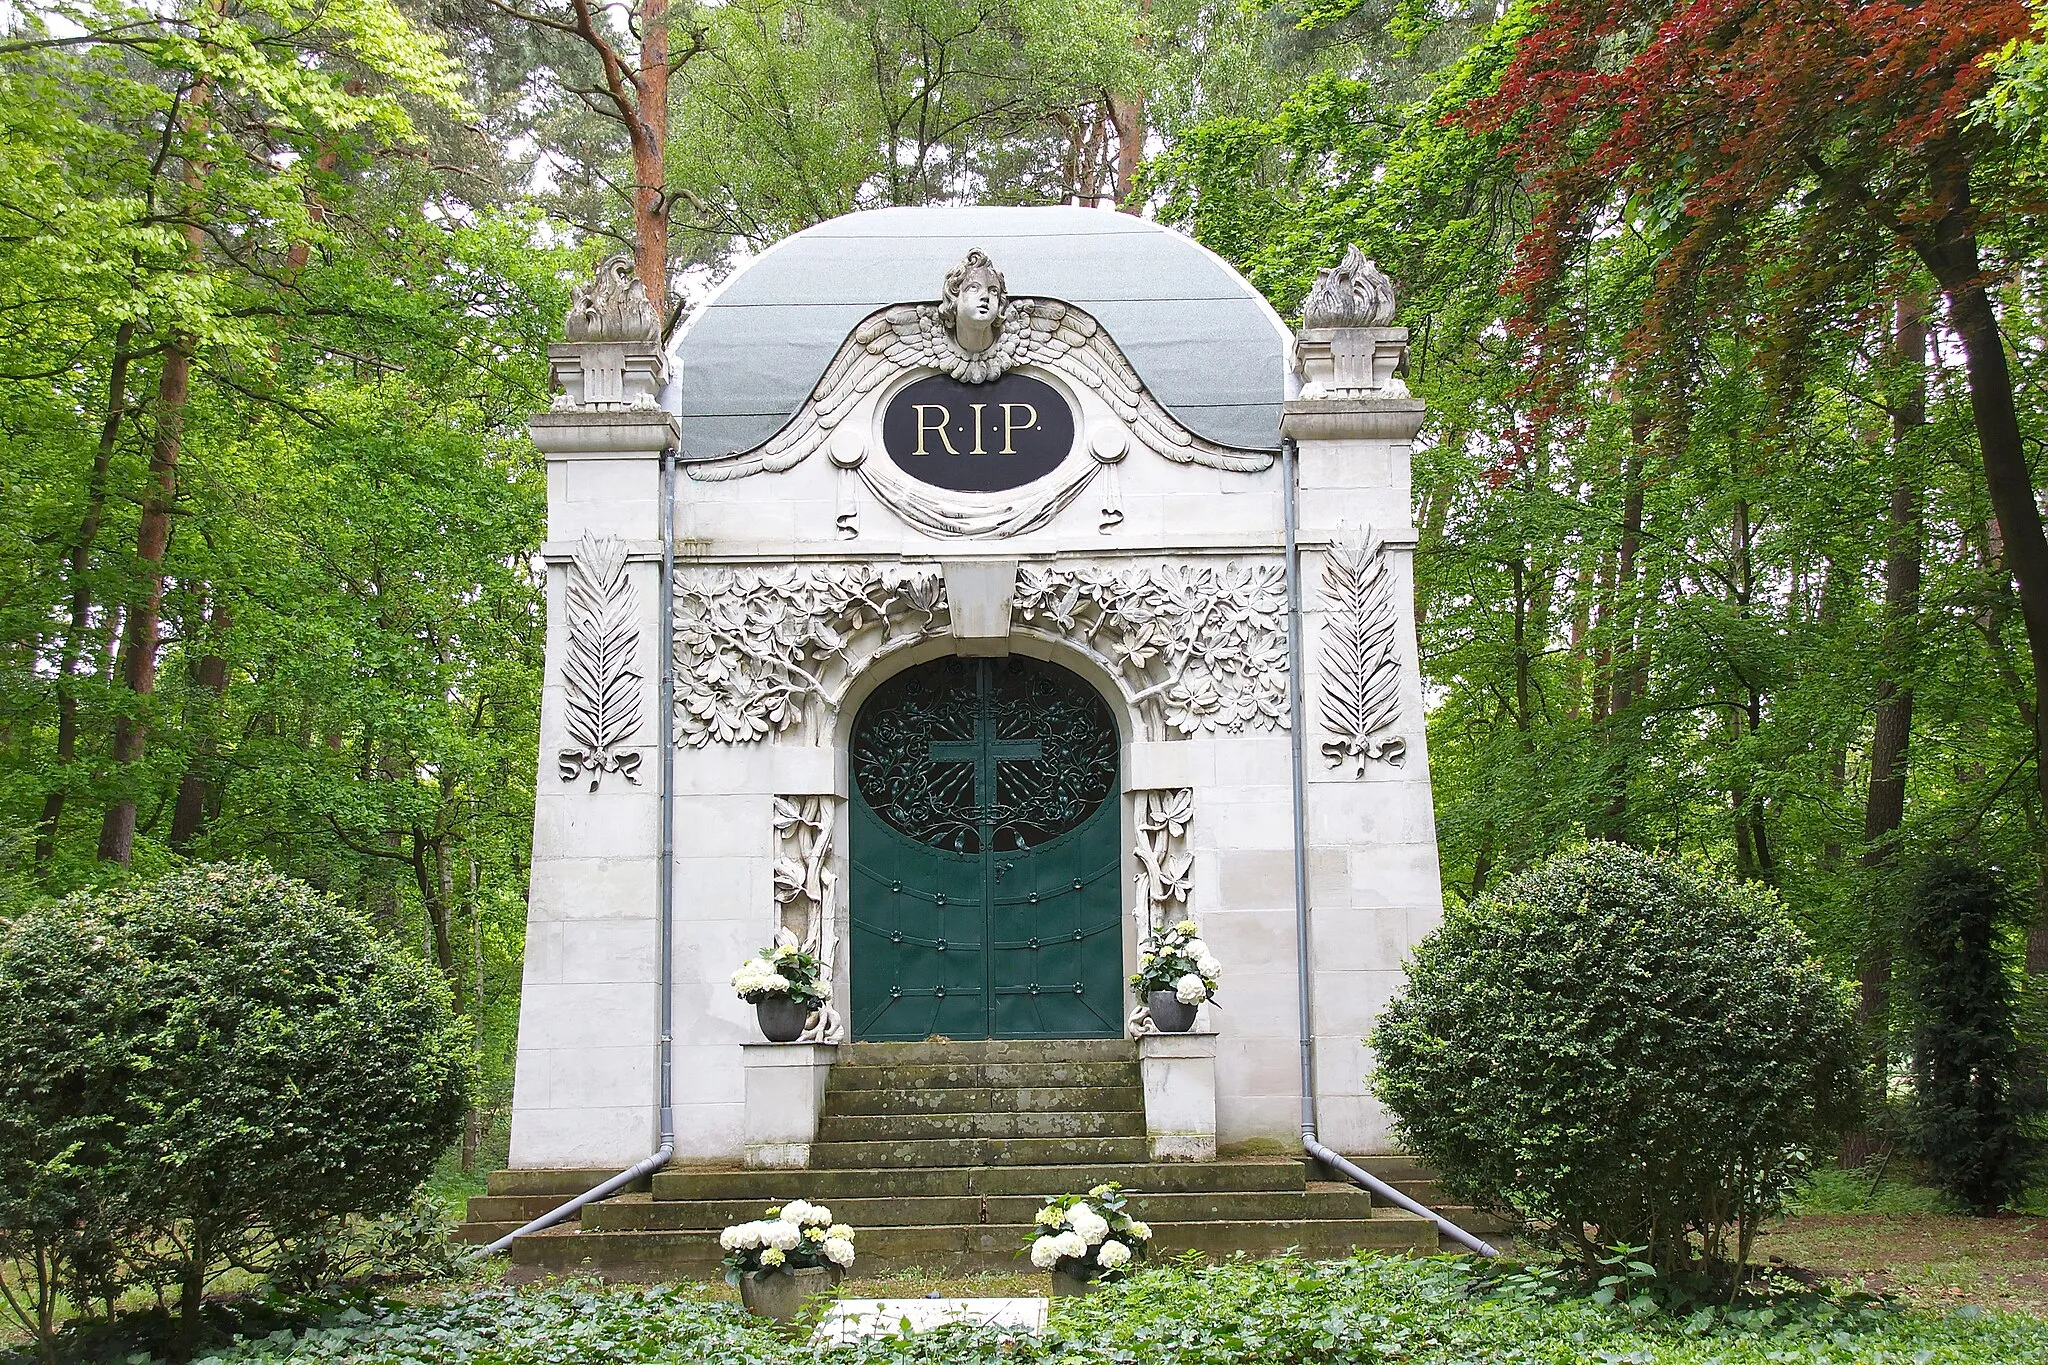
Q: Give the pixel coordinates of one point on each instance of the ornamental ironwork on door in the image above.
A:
(985, 851)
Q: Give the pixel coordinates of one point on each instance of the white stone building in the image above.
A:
(980, 619)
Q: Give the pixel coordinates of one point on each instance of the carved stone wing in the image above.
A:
(907, 336)
(1361, 695)
(1065, 339)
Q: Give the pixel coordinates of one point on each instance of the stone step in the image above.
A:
(555, 1180)
(955, 1249)
(845, 1128)
(1027, 1075)
(513, 1208)
(765, 1187)
(950, 1099)
(640, 1212)
(983, 1051)
(996, 1151)
(472, 1233)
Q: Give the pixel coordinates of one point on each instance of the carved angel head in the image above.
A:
(1354, 293)
(971, 304)
(612, 307)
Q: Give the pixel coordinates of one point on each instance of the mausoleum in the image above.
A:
(927, 603)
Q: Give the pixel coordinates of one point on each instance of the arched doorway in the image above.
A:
(986, 853)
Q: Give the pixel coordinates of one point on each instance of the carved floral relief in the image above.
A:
(599, 673)
(1361, 669)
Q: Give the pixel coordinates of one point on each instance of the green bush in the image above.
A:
(1969, 1104)
(1623, 1051)
(216, 1066)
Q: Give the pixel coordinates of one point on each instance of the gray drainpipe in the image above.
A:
(665, 880)
(1297, 727)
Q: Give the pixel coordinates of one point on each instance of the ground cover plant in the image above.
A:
(1371, 1308)
(1625, 1052)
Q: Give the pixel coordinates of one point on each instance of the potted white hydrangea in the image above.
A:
(1084, 1239)
(1176, 973)
(784, 1258)
(783, 985)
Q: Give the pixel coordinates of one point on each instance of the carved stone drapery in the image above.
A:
(1203, 647)
(1165, 876)
(1361, 667)
(754, 645)
(804, 897)
(602, 685)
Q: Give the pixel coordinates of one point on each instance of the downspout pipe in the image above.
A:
(665, 881)
(1297, 729)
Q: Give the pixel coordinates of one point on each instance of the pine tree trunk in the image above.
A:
(647, 131)
(209, 685)
(141, 640)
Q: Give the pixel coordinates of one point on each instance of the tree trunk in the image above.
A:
(1884, 807)
(139, 645)
(1127, 112)
(1952, 257)
(647, 129)
(80, 562)
(209, 684)
(1613, 820)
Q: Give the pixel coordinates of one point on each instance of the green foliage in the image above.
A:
(203, 1070)
(1969, 1110)
(1429, 1312)
(1617, 1043)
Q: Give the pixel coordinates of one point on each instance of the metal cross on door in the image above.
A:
(985, 856)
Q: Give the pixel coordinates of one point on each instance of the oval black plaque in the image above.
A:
(978, 438)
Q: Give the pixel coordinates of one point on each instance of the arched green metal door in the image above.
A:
(985, 850)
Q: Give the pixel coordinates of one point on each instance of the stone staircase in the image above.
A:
(941, 1154)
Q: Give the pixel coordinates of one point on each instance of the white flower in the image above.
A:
(798, 1212)
(839, 1251)
(1048, 1217)
(818, 1216)
(839, 1232)
(1209, 967)
(1071, 1244)
(1189, 990)
(1195, 948)
(1092, 1226)
(782, 1236)
(1113, 1254)
(1141, 1231)
(1045, 1252)
(730, 1238)
(745, 1237)
(771, 1257)
(1187, 926)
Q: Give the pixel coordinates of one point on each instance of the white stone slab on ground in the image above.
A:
(850, 1319)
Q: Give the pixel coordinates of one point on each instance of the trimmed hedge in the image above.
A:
(1625, 1052)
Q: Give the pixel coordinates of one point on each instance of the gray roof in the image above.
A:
(1203, 340)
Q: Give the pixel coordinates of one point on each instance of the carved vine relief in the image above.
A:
(602, 683)
(1361, 693)
(1166, 871)
(1202, 648)
(804, 886)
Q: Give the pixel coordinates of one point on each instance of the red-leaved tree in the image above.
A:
(1784, 138)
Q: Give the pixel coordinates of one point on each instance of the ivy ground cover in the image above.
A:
(1370, 1309)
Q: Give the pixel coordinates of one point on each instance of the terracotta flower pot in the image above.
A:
(780, 1294)
(781, 1018)
(1066, 1286)
(1169, 1013)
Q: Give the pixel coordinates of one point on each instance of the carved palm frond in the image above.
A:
(602, 683)
(1361, 693)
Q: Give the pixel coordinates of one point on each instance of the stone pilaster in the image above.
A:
(584, 1094)
(1373, 877)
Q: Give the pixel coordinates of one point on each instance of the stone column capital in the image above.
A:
(601, 434)
(1351, 419)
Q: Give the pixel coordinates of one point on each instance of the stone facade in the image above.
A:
(810, 570)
